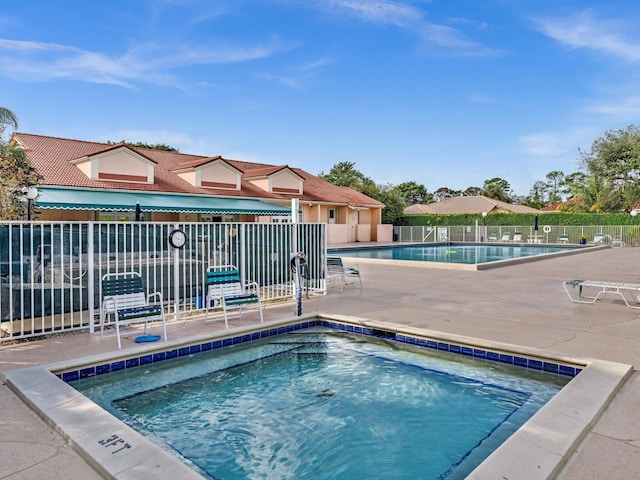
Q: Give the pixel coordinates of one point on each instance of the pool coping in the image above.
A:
(471, 267)
(540, 447)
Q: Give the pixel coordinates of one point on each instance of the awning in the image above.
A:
(105, 200)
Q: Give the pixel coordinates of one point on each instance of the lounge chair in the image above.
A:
(506, 237)
(493, 237)
(564, 238)
(123, 296)
(598, 289)
(534, 238)
(517, 237)
(598, 238)
(226, 290)
(617, 242)
(335, 268)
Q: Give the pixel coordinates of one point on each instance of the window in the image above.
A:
(118, 216)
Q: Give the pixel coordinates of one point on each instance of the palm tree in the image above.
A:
(8, 118)
(592, 195)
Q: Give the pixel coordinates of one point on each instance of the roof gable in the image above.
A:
(276, 179)
(213, 172)
(119, 163)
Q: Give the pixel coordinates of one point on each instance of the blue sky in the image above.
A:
(447, 93)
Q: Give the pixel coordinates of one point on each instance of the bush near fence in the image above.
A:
(517, 219)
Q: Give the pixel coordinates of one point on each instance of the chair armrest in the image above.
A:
(108, 304)
(253, 285)
(353, 267)
(153, 295)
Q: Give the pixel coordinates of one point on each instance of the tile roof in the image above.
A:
(51, 157)
(264, 171)
(467, 204)
(560, 205)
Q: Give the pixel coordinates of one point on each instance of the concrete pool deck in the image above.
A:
(519, 304)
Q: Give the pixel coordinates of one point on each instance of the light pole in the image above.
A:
(633, 226)
(484, 226)
(30, 193)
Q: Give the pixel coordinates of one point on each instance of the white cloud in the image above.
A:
(557, 143)
(297, 76)
(380, 11)
(436, 37)
(585, 31)
(623, 109)
(147, 63)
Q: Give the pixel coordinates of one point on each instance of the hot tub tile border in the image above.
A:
(494, 356)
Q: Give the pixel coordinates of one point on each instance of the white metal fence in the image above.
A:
(50, 273)
(621, 235)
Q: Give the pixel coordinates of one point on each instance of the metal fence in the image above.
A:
(619, 235)
(50, 273)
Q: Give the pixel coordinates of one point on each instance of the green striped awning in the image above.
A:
(105, 200)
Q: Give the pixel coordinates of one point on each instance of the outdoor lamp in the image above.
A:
(30, 193)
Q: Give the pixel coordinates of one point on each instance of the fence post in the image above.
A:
(176, 278)
(91, 277)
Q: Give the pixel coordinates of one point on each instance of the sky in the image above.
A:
(446, 93)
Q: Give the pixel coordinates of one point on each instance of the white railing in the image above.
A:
(50, 273)
(617, 235)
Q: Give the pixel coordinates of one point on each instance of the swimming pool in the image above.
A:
(319, 404)
(457, 255)
(540, 447)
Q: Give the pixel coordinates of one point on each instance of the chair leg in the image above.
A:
(164, 327)
(118, 331)
(224, 308)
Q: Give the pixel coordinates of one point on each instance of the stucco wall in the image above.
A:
(285, 179)
(363, 233)
(384, 233)
(122, 163)
(337, 233)
(219, 172)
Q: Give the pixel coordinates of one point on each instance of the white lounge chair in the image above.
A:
(506, 237)
(598, 238)
(617, 242)
(517, 237)
(598, 289)
(564, 238)
(535, 238)
(493, 237)
(335, 268)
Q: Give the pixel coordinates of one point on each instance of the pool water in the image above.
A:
(453, 253)
(325, 405)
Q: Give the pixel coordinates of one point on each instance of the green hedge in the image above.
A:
(521, 219)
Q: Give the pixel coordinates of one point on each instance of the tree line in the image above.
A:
(608, 180)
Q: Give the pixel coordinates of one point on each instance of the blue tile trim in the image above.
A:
(489, 355)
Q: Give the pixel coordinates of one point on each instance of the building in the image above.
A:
(91, 181)
(469, 204)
